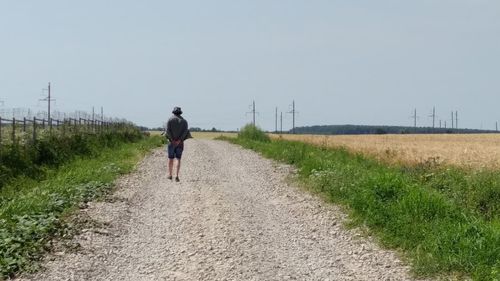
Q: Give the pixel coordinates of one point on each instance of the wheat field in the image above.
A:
(475, 151)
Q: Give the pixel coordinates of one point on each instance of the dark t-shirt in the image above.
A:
(177, 128)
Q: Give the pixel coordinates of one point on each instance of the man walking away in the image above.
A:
(177, 133)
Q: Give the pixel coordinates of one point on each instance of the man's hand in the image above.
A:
(176, 142)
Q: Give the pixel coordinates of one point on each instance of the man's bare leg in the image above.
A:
(178, 168)
(170, 167)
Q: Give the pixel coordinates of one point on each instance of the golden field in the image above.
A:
(212, 135)
(476, 151)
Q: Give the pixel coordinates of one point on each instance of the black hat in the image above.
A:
(177, 111)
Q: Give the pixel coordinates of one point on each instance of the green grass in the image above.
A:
(445, 220)
(51, 149)
(32, 211)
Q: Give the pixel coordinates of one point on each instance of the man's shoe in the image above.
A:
(177, 179)
(169, 177)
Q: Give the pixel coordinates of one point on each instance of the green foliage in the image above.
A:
(53, 150)
(475, 190)
(252, 132)
(446, 220)
(31, 210)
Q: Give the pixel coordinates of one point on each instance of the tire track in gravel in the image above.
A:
(232, 217)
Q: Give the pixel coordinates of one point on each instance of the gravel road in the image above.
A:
(233, 216)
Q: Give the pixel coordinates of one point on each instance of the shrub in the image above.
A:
(252, 132)
(55, 149)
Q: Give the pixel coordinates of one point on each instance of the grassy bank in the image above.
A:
(31, 210)
(50, 150)
(446, 220)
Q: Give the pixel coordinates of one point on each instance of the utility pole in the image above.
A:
(253, 112)
(48, 99)
(452, 120)
(102, 114)
(281, 123)
(293, 112)
(445, 124)
(456, 119)
(496, 126)
(414, 117)
(433, 117)
(276, 121)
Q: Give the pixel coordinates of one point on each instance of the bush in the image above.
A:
(252, 132)
(53, 150)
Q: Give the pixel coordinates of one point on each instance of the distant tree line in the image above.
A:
(196, 129)
(192, 129)
(380, 130)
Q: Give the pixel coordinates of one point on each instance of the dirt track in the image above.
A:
(232, 217)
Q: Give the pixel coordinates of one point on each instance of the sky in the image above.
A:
(342, 62)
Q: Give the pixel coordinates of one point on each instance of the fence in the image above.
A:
(13, 130)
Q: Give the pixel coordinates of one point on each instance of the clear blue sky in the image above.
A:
(355, 62)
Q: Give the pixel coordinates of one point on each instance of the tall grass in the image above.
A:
(32, 208)
(445, 219)
(32, 159)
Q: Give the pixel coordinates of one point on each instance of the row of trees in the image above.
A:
(365, 129)
(192, 129)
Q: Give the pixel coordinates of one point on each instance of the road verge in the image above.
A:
(440, 235)
(32, 212)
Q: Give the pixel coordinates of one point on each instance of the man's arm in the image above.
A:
(185, 130)
(170, 134)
